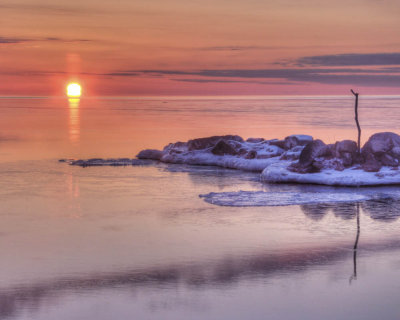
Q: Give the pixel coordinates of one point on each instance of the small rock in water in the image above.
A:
(150, 154)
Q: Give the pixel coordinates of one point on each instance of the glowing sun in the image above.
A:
(74, 90)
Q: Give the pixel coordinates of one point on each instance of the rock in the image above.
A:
(255, 140)
(269, 151)
(204, 143)
(334, 163)
(388, 160)
(371, 164)
(222, 147)
(150, 154)
(296, 140)
(347, 159)
(345, 146)
(278, 143)
(312, 150)
(251, 154)
(395, 152)
(380, 143)
(292, 154)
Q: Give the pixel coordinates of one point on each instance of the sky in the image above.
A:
(200, 47)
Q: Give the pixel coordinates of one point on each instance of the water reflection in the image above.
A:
(221, 273)
(354, 275)
(382, 209)
(74, 120)
(218, 273)
(315, 211)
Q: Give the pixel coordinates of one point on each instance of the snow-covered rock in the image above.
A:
(228, 151)
(297, 158)
(353, 176)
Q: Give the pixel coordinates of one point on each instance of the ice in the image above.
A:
(278, 172)
(262, 198)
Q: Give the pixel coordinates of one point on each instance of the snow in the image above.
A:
(352, 176)
(226, 161)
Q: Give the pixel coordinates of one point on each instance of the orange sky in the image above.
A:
(202, 47)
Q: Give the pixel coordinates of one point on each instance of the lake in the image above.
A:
(139, 243)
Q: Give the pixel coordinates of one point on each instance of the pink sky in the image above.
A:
(206, 47)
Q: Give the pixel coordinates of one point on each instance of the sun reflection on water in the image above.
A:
(74, 120)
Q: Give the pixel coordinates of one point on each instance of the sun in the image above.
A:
(74, 90)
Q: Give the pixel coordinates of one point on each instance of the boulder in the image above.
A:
(380, 143)
(278, 143)
(371, 164)
(255, 140)
(388, 160)
(222, 147)
(204, 143)
(395, 152)
(292, 154)
(345, 146)
(150, 154)
(296, 140)
(251, 154)
(333, 163)
(314, 149)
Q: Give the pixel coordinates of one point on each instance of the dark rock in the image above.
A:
(278, 143)
(251, 154)
(334, 163)
(222, 147)
(388, 160)
(371, 164)
(295, 167)
(255, 140)
(380, 143)
(292, 154)
(312, 150)
(347, 159)
(150, 154)
(204, 143)
(345, 146)
(347, 151)
(395, 152)
(296, 140)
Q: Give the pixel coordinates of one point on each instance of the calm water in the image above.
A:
(138, 242)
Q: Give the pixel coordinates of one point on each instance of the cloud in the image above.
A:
(234, 48)
(7, 40)
(386, 77)
(232, 81)
(352, 59)
(54, 9)
(16, 40)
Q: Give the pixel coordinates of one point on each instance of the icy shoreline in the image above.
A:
(297, 158)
